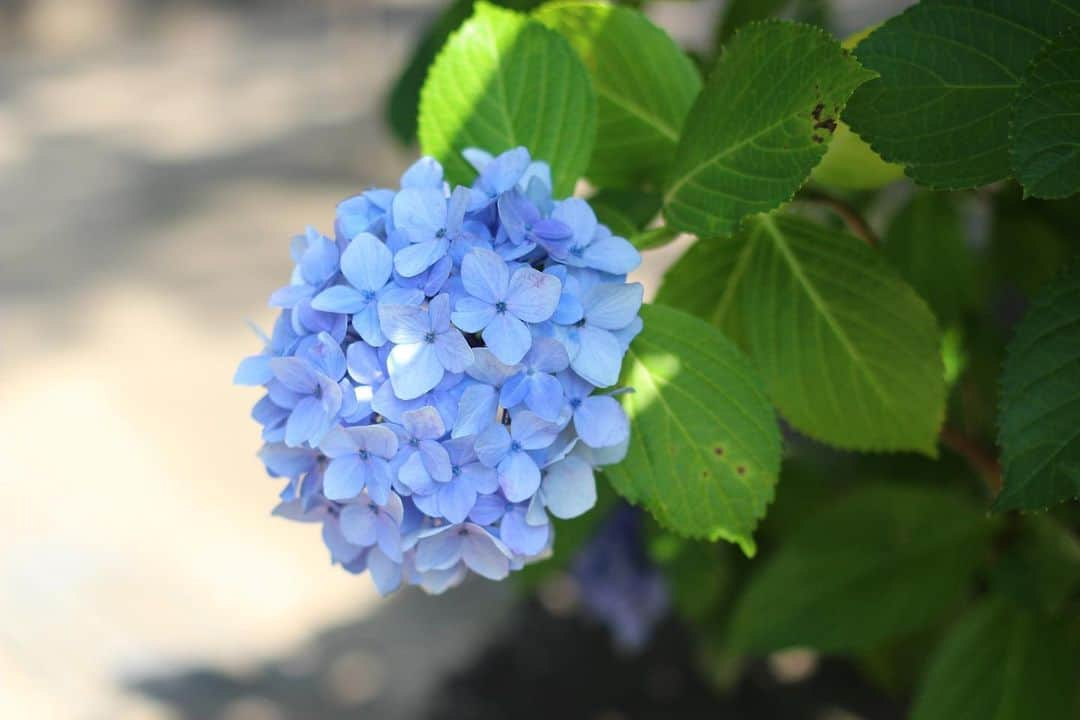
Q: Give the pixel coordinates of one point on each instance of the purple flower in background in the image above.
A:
(618, 584)
(430, 382)
(499, 304)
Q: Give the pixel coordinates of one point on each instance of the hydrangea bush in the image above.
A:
(864, 224)
(439, 381)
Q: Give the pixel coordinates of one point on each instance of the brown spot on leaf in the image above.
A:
(817, 138)
(816, 112)
(828, 124)
(718, 450)
(741, 470)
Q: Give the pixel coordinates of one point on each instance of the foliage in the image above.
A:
(898, 331)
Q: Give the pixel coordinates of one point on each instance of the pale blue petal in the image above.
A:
(478, 158)
(612, 306)
(472, 314)
(569, 488)
(385, 573)
(514, 391)
(545, 396)
(376, 439)
(295, 374)
(254, 370)
(521, 537)
(357, 523)
(484, 275)
(488, 509)
(508, 338)
(415, 259)
(548, 356)
(482, 478)
(415, 476)
(340, 299)
(492, 445)
(456, 499)
(290, 295)
(441, 551)
(612, 254)
(420, 209)
(367, 262)
(476, 411)
(305, 422)
(484, 556)
(424, 173)
(599, 357)
(533, 295)
(601, 421)
(345, 477)
(341, 550)
(338, 442)
(436, 461)
(424, 423)
(364, 365)
(366, 323)
(388, 536)
(576, 213)
(380, 480)
(518, 476)
(453, 351)
(531, 431)
(404, 324)
(489, 369)
(414, 369)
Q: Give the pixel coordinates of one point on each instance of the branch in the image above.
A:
(851, 217)
(977, 456)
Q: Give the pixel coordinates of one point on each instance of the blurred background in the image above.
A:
(155, 158)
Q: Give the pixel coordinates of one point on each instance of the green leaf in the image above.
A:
(1045, 135)
(1040, 402)
(704, 443)
(705, 281)
(925, 242)
(700, 575)
(850, 353)
(1002, 663)
(949, 70)
(501, 81)
(625, 212)
(884, 561)
(850, 164)
(644, 85)
(1041, 567)
(760, 125)
(404, 98)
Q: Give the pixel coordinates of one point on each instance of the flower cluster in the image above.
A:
(431, 381)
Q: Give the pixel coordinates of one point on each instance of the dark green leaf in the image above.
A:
(501, 81)
(1041, 567)
(704, 445)
(850, 353)
(706, 281)
(949, 70)
(883, 561)
(1003, 663)
(925, 242)
(1045, 134)
(1040, 402)
(644, 86)
(625, 212)
(760, 125)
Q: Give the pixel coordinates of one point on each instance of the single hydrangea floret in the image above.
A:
(439, 380)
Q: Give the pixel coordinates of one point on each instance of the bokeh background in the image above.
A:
(155, 157)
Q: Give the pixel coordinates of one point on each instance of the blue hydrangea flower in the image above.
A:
(430, 385)
(499, 304)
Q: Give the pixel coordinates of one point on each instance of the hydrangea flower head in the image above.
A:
(437, 385)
